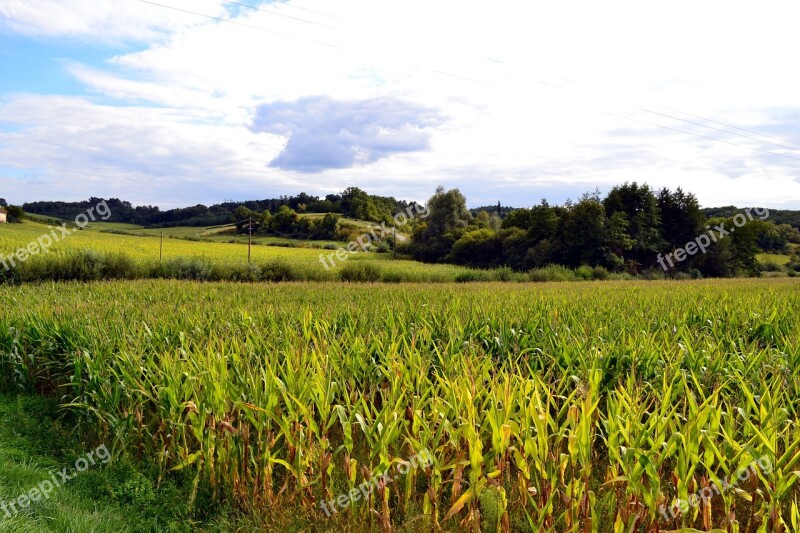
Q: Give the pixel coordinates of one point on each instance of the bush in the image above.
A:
(382, 247)
(248, 272)
(191, 268)
(468, 277)
(653, 274)
(276, 271)
(584, 272)
(621, 276)
(600, 273)
(504, 274)
(392, 277)
(360, 272)
(14, 214)
(552, 273)
(771, 266)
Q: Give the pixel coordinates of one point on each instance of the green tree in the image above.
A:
(14, 214)
(242, 217)
(545, 222)
(585, 233)
(285, 220)
(681, 217)
(478, 248)
(447, 221)
(483, 220)
(326, 227)
(518, 218)
(641, 210)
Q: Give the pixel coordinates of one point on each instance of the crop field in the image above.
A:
(13, 236)
(144, 248)
(606, 406)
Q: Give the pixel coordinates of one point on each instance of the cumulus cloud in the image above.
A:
(324, 133)
(143, 154)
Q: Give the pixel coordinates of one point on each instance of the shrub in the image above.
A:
(600, 273)
(382, 247)
(248, 272)
(552, 273)
(276, 271)
(191, 268)
(392, 277)
(468, 277)
(653, 274)
(360, 271)
(771, 266)
(504, 274)
(14, 214)
(621, 276)
(584, 272)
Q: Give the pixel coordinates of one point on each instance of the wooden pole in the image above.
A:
(161, 249)
(249, 239)
(394, 244)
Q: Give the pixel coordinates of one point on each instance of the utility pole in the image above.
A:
(161, 249)
(249, 239)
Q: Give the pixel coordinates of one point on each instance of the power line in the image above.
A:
(286, 3)
(312, 41)
(699, 135)
(281, 14)
(481, 82)
(731, 126)
(626, 117)
(443, 73)
(716, 122)
(229, 21)
(718, 129)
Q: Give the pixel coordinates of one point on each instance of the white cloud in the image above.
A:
(524, 88)
(102, 20)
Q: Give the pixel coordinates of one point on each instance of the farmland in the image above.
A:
(142, 248)
(548, 407)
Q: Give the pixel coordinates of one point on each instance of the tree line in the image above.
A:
(352, 202)
(625, 231)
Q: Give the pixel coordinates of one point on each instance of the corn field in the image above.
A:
(550, 407)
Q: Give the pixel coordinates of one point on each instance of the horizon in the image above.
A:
(469, 204)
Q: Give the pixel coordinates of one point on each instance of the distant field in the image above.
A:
(779, 259)
(145, 247)
(13, 236)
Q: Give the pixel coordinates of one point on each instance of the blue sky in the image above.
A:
(513, 101)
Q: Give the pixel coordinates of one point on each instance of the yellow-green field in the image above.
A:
(612, 406)
(778, 259)
(13, 236)
(146, 248)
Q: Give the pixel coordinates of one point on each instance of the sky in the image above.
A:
(179, 102)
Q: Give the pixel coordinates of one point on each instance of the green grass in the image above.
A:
(778, 259)
(145, 249)
(117, 497)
